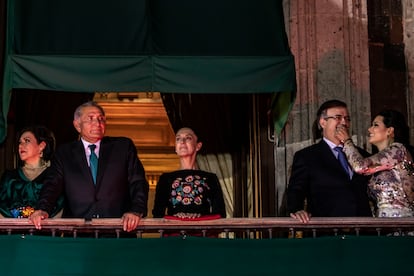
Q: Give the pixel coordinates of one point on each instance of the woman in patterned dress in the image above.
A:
(188, 193)
(392, 173)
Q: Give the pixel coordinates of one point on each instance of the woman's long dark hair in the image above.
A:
(395, 119)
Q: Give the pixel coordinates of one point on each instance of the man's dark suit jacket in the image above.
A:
(121, 184)
(318, 177)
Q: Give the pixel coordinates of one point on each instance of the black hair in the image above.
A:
(316, 128)
(42, 134)
(194, 129)
(395, 119)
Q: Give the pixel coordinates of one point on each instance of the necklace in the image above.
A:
(31, 172)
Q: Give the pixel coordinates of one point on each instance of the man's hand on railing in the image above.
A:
(37, 216)
(131, 221)
(301, 215)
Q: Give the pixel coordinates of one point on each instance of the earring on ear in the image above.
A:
(390, 139)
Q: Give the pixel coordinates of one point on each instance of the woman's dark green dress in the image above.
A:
(19, 195)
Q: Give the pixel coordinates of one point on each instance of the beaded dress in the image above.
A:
(392, 178)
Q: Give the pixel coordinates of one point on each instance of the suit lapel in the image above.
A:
(331, 159)
(105, 152)
(79, 156)
(327, 151)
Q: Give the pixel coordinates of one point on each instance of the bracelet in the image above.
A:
(345, 141)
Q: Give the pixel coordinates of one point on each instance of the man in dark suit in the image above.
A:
(117, 189)
(319, 186)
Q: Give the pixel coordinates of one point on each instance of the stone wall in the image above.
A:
(408, 30)
(330, 42)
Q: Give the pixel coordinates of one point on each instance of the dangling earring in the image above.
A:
(390, 139)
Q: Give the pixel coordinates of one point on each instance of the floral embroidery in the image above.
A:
(189, 190)
(22, 212)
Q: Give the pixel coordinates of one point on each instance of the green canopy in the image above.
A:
(180, 46)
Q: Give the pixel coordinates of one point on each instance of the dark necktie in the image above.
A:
(93, 162)
(342, 159)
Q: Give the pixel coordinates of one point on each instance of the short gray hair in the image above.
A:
(78, 111)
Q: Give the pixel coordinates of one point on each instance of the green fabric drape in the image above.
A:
(184, 74)
(33, 255)
(233, 46)
(281, 105)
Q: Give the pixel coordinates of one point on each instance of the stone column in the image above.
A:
(408, 29)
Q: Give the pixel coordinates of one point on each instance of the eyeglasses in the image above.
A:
(90, 120)
(338, 118)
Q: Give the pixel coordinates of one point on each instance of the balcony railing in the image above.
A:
(251, 228)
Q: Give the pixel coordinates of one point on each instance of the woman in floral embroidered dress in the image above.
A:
(392, 181)
(189, 192)
(20, 187)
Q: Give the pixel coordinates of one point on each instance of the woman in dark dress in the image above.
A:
(188, 193)
(20, 187)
